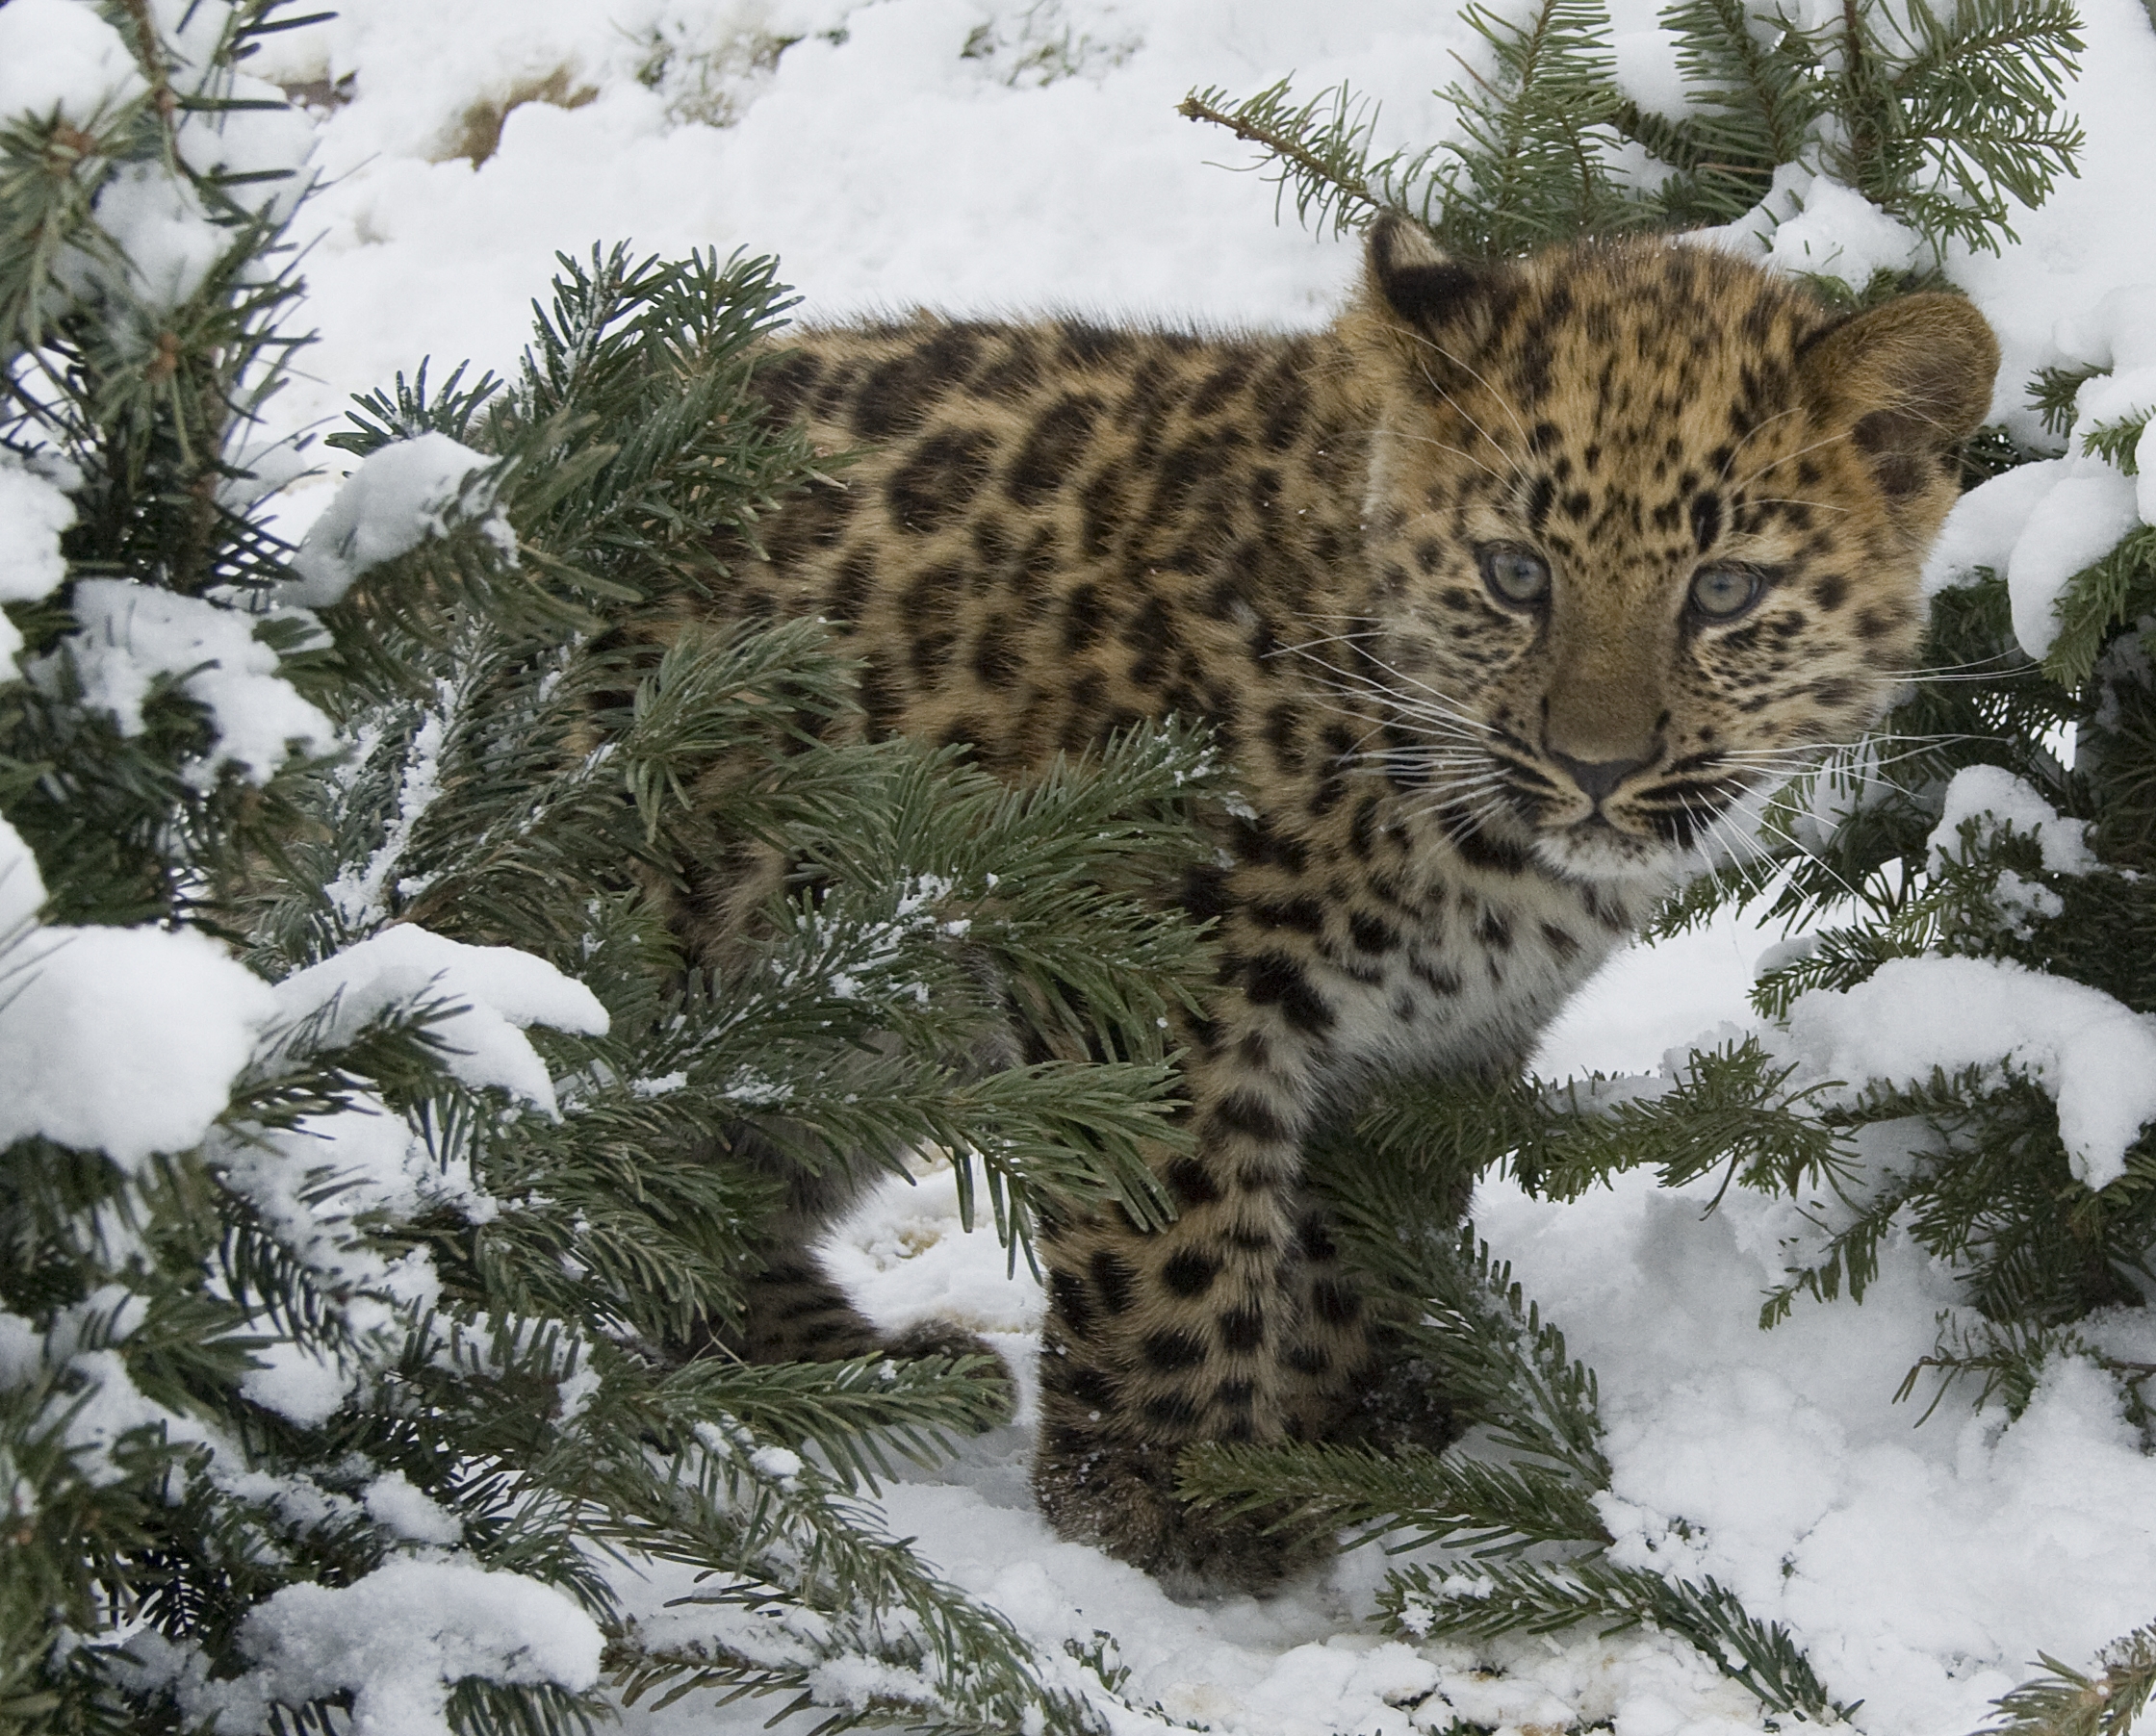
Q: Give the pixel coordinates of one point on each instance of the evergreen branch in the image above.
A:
(1726, 1108)
(2052, 392)
(2008, 1357)
(1752, 109)
(2067, 1702)
(1451, 1305)
(1851, 1258)
(1466, 1504)
(2120, 587)
(1320, 149)
(2115, 442)
(1529, 171)
(852, 1413)
(787, 1535)
(1502, 1598)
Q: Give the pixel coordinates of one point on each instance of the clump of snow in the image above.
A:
(33, 513)
(134, 634)
(2117, 335)
(495, 991)
(400, 496)
(400, 1639)
(1995, 794)
(393, 1501)
(1647, 69)
(300, 1383)
(166, 239)
(59, 57)
(120, 1041)
(777, 1462)
(2095, 1057)
(1810, 223)
(2038, 524)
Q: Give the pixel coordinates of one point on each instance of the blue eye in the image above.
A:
(1516, 577)
(1724, 592)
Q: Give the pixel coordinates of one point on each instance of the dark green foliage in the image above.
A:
(519, 764)
(1537, 1598)
(1752, 109)
(1942, 120)
(2064, 1701)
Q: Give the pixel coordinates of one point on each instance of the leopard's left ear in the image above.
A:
(1411, 277)
(1908, 380)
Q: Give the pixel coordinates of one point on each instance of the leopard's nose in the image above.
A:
(1596, 778)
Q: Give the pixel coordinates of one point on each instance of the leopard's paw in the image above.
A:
(997, 1387)
(1121, 1497)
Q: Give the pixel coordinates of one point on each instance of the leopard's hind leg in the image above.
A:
(795, 1313)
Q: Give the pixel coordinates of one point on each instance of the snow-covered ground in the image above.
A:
(996, 155)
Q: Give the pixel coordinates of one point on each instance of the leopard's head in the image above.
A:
(1644, 526)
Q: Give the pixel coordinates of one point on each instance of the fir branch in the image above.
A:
(1751, 109)
(2052, 393)
(2119, 588)
(2115, 442)
(1530, 169)
(1850, 1259)
(1471, 1505)
(1500, 1597)
(793, 1536)
(1726, 1108)
(1319, 150)
(2066, 1701)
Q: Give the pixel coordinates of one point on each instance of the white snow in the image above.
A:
(134, 634)
(399, 496)
(124, 1041)
(2038, 525)
(1996, 794)
(163, 231)
(392, 1501)
(33, 513)
(1813, 225)
(298, 1382)
(400, 1639)
(2095, 1056)
(59, 57)
(494, 992)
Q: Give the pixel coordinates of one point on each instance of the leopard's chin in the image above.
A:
(1594, 849)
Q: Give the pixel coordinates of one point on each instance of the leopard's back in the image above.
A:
(1047, 533)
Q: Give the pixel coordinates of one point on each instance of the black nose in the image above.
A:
(1596, 778)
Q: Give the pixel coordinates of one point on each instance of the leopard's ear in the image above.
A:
(1908, 380)
(1411, 277)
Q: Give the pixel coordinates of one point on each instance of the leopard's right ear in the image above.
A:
(1410, 276)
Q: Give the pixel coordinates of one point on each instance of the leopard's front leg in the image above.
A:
(1200, 1331)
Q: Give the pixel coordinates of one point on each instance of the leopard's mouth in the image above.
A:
(1663, 827)
(1596, 849)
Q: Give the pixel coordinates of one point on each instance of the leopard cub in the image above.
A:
(1504, 596)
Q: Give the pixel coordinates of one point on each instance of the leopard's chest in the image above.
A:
(1477, 990)
(1462, 979)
